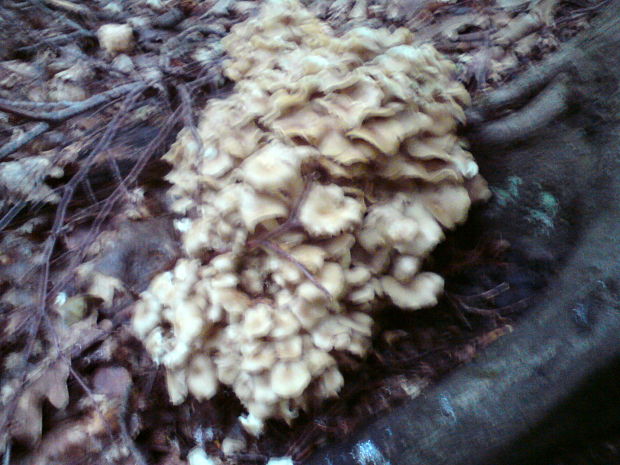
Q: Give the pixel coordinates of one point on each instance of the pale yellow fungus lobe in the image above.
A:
(324, 181)
(290, 379)
(115, 38)
(327, 211)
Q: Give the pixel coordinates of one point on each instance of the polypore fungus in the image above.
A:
(316, 191)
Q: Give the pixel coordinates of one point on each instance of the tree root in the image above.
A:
(541, 94)
(548, 105)
(516, 93)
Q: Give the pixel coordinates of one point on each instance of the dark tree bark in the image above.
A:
(550, 382)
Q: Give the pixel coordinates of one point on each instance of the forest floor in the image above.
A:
(81, 134)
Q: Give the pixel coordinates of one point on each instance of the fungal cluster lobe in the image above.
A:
(313, 196)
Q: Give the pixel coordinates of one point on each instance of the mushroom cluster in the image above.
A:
(305, 199)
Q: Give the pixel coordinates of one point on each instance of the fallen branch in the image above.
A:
(76, 107)
(11, 214)
(54, 40)
(10, 147)
(68, 6)
(61, 115)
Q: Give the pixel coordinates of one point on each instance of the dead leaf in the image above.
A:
(49, 383)
(25, 180)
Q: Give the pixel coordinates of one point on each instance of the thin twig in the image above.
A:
(111, 201)
(15, 4)
(188, 120)
(62, 18)
(116, 173)
(487, 295)
(515, 307)
(61, 211)
(28, 104)
(90, 193)
(54, 40)
(283, 253)
(11, 214)
(492, 293)
(129, 443)
(477, 311)
(581, 12)
(6, 459)
(91, 396)
(76, 107)
(459, 314)
(121, 423)
(292, 222)
(10, 147)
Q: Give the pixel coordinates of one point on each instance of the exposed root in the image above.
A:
(547, 106)
(517, 92)
(61, 18)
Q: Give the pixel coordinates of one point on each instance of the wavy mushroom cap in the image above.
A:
(290, 379)
(327, 211)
